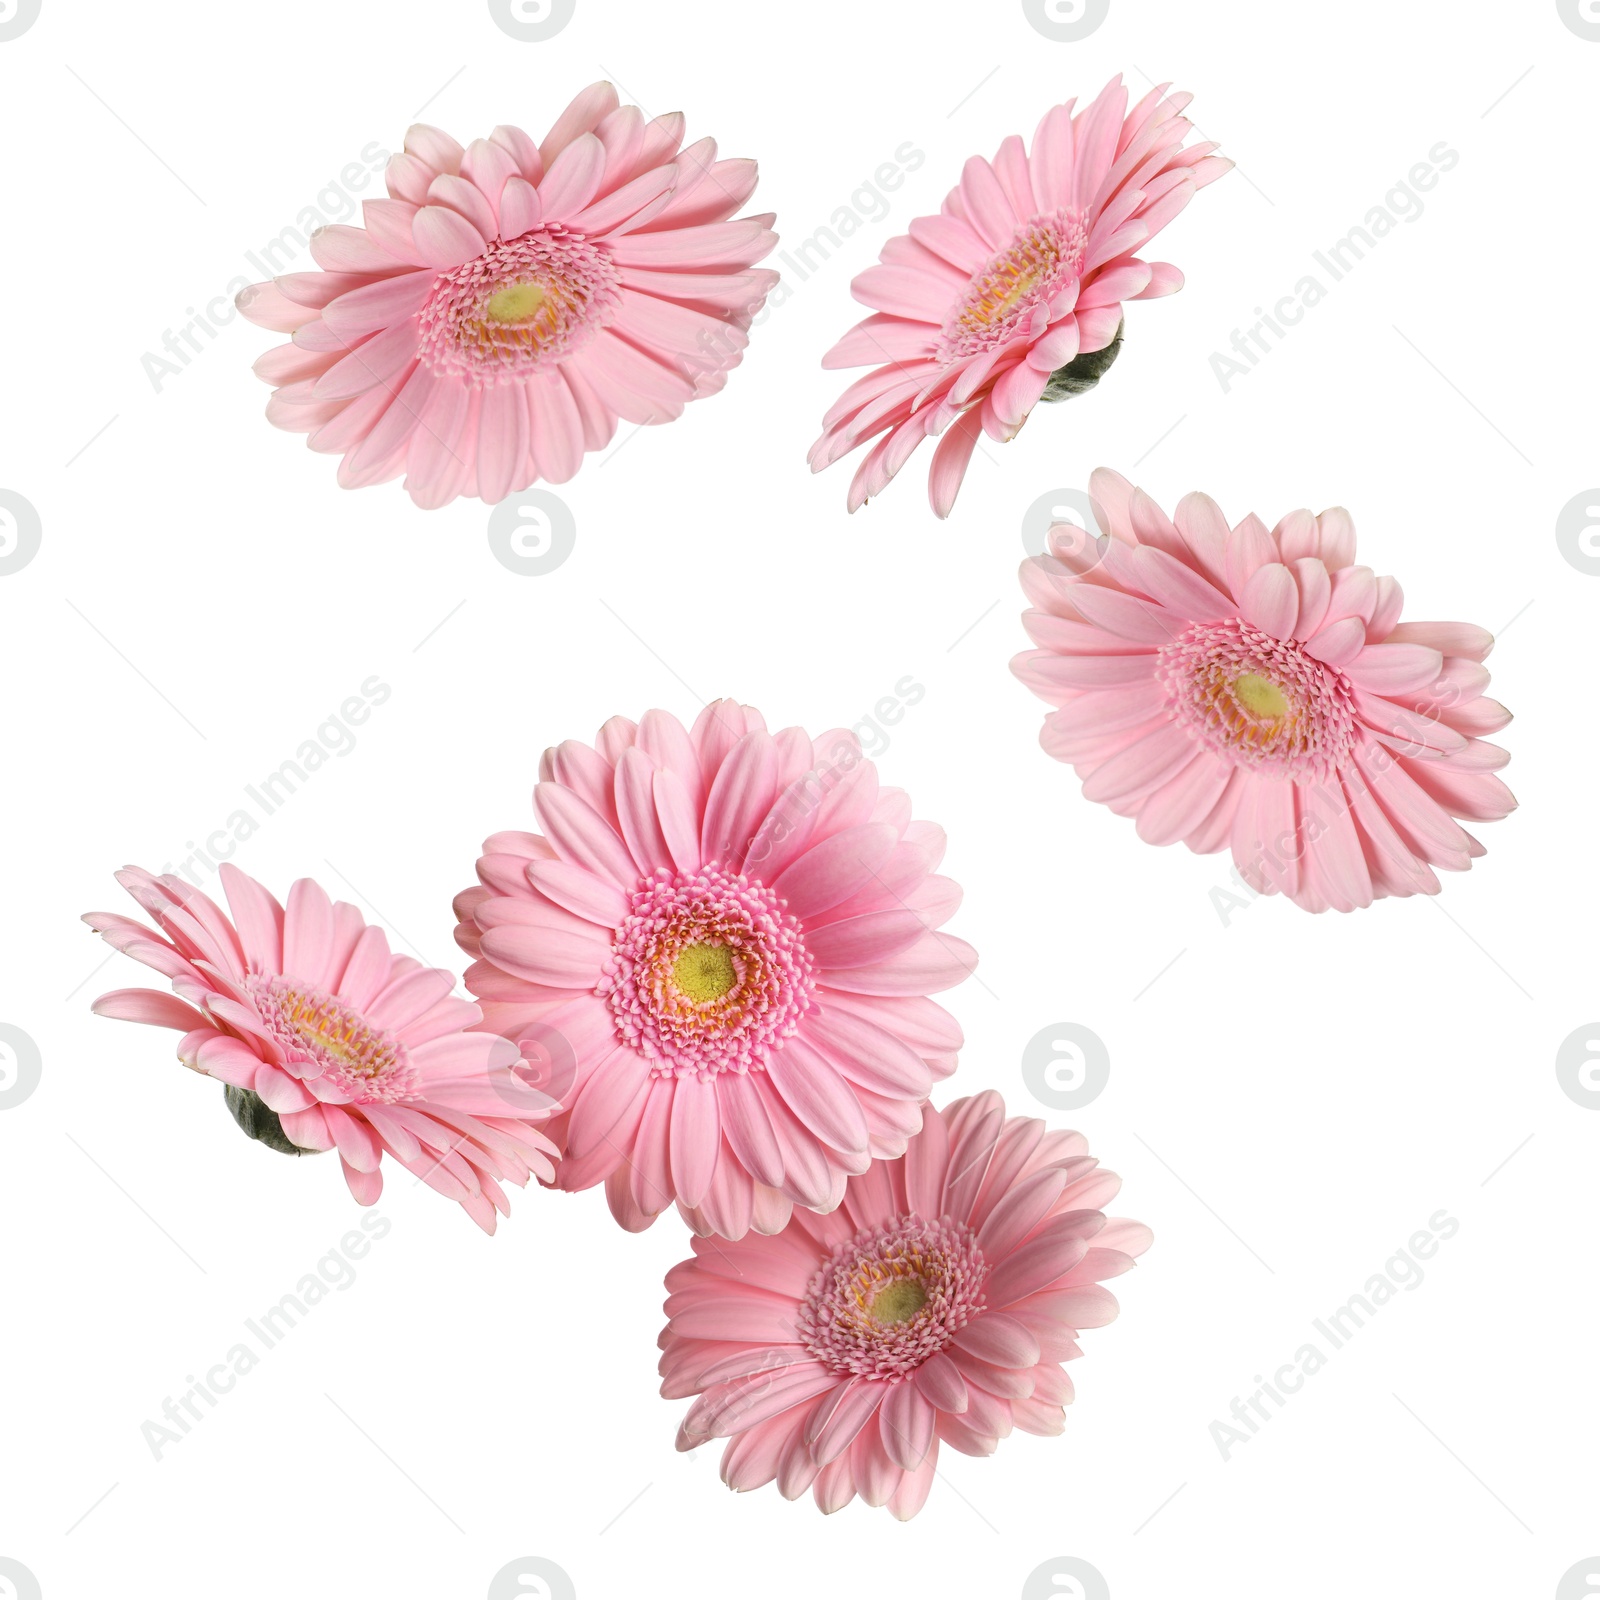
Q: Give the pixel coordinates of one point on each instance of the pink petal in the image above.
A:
(1271, 600)
(152, 1006)
(444, 238)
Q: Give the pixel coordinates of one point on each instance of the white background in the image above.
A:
(1291, 1097)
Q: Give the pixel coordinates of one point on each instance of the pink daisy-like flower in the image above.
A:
(725, 938)
(1242, 689)
(1013, 293)
(510, 301)
(936, 1305)
(325, 1040)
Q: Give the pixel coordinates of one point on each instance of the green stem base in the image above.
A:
(260, 1121)
(1083, 372)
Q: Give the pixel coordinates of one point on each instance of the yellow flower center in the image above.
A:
(323, 1024)
(705, 972)
(1009, 280)
(1000, 299)
(516, 302)
(309, 1024)
(1261, 697)
(900, 1301)
(1001, 296)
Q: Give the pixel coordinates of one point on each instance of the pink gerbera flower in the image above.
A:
(726, 938)
(1257, 691)
(327, 1041)
(510, 301)
(936, 1305)
(1013, 293)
